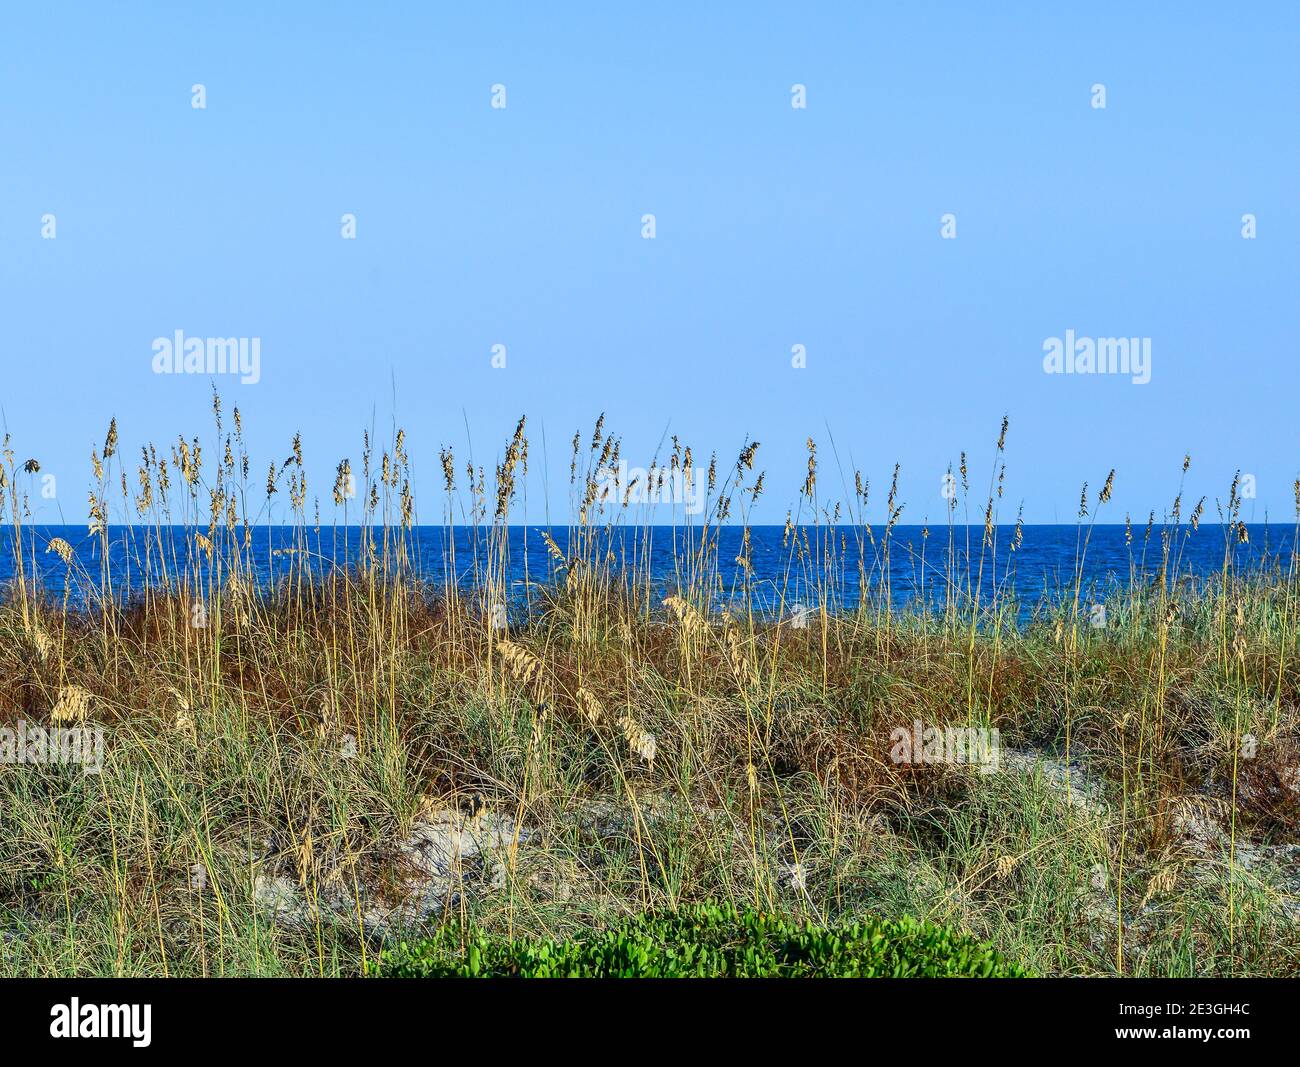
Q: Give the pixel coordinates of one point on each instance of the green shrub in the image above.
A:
(709, 941)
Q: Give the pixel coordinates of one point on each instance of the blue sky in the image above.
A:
(775, 226)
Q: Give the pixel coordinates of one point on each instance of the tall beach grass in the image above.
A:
(660, 737)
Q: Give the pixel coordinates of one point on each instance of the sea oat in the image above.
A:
(73, 704)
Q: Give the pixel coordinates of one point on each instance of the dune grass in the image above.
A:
(659, 746)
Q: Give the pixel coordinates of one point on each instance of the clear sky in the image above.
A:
(775, 226)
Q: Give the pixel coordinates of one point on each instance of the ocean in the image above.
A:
(1043, 567)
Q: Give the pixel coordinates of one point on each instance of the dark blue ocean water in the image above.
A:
(1042, 569)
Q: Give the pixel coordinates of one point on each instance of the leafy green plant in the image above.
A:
(709, 941)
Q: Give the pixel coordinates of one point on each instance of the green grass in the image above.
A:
(657, 753)
(709, 941)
